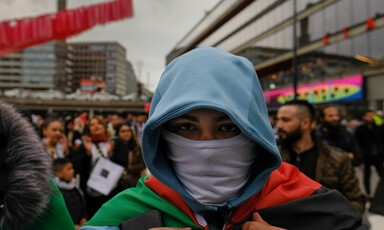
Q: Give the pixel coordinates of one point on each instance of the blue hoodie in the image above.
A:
(214, 79)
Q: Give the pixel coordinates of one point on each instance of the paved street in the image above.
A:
(376, 221)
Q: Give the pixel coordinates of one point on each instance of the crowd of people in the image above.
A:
(329, 149)
(360, 140)
(319, 143)
(210, 157)
(76, 144)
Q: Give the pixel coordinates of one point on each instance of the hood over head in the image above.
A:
(213, 79)
(25, 170)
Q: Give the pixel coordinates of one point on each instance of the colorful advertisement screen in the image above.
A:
(350, 88)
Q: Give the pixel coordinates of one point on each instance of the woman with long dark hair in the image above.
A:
(54, 139)
(95, 145)
(72, 134)
(29, 199)
(127, 153)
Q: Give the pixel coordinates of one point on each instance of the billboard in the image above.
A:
(350, 88)
(89, 86)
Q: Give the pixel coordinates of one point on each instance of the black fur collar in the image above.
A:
(28, 166)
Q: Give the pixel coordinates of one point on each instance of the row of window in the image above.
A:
(40, 60)
(29, 74)
(94, 67)
(35, 51)
(367, 44)
(90, 62)
(95, 72)
(95, 54)
(38, 82)
(328, 20)
(95, 47)
(26, 67)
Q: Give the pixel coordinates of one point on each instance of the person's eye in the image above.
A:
(230, 128)
(185, 127)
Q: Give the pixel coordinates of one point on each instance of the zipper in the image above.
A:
(225, 213)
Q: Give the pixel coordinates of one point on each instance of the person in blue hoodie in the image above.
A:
(211, 150)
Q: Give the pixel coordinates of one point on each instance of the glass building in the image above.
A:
(334, 40)
(32, 68)
(103, 61)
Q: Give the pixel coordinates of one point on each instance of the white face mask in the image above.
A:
(213, 172)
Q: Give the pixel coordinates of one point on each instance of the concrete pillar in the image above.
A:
(374, 104)
(91, 113)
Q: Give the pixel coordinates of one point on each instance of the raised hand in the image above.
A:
(87, 142)
(111, 146)
(258, 223)
(163, 228)
(64, 144)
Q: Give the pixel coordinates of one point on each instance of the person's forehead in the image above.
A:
(95, 123)
(125, 127)
(331, 110)
(287, 111)
(205, 112)
(55, 124)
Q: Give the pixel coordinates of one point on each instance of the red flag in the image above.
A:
(14, 30)
(83, 117)
(23, 27)
(325, 39)
(70, 21)
(47, 27)
(20, 34)
(90, 17)
(115, 11)
(147, 107)
(60, 25)
(126, 8)
(33, 29)
(346, 32)
(370, 24)
(102, 14)
(3, 35)
(79, 20)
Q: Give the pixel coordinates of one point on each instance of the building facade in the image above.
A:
(102, 61)
(32, 68)
(131, 79)
(63, 67)
(334, 39)
(41, 67)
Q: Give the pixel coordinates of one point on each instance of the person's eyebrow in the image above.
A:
(222, 118)
(195, 119)
(187, 117)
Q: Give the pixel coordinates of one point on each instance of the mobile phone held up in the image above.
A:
(144, 221)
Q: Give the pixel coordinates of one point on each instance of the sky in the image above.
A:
(153, 31)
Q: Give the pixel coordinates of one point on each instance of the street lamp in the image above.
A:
(294, 59)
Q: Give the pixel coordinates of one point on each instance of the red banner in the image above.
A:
(19, 34)
(370, 25)
(325, 39)
(346, 32)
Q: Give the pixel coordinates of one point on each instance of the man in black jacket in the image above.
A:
(29, 199)
(334, 134)
(370, 138)
(301, 147)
